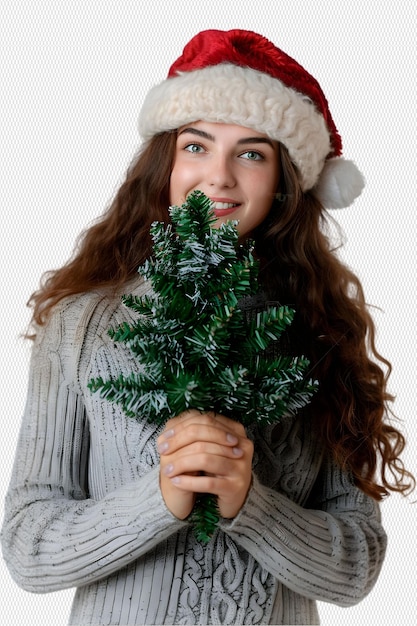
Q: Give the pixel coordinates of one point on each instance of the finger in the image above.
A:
(216, 485)
(193, 426)
(209, 417)
(195, 434)
(205, 463)
(200, 448)
(196, 484)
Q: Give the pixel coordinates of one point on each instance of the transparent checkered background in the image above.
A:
(73, 76)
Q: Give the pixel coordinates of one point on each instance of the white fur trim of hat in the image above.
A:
(234, 94)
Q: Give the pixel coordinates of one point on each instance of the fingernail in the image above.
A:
(168, 433)
(169, 468)
(163, 447)
(176, 480)
(231, 438)
(237, 451)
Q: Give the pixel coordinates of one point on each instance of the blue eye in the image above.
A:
(195, 148)
(252, 155)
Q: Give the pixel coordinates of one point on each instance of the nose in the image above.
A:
(221, 173)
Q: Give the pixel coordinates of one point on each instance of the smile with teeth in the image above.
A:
(224, 205)
(224, 208)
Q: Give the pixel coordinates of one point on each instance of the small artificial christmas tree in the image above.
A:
(195, 346)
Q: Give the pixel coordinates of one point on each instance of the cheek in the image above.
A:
(179, 185)
(266, 199)
(263, 195)
(260, 207)
(175, 190)
(171, 192)
(260, 214)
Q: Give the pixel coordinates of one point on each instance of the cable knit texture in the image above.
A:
(84, 508)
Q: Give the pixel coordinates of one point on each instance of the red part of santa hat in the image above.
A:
(240, 77)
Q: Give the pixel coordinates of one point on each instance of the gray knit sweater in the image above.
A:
(84, 508)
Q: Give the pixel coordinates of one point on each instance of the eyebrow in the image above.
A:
(244, 140)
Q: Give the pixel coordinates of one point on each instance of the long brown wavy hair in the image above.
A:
(332, 326)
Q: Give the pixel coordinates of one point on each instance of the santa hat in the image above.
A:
(239, 77)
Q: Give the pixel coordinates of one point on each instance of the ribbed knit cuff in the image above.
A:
(269, 517)
(330, 556)
(64, 543)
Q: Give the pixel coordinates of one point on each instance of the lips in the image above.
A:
(221, 208)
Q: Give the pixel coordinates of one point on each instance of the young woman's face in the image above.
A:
(236, 167)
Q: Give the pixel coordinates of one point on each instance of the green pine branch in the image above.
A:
(195, 347)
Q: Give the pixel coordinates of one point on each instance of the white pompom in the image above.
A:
(340, 182)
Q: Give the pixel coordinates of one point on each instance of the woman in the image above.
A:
(101, 502)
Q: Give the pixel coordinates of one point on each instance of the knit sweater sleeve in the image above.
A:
(332, 552)
(54, 535)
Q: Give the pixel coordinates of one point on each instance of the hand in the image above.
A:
(204, 453)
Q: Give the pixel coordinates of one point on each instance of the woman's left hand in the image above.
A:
(207, 453)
